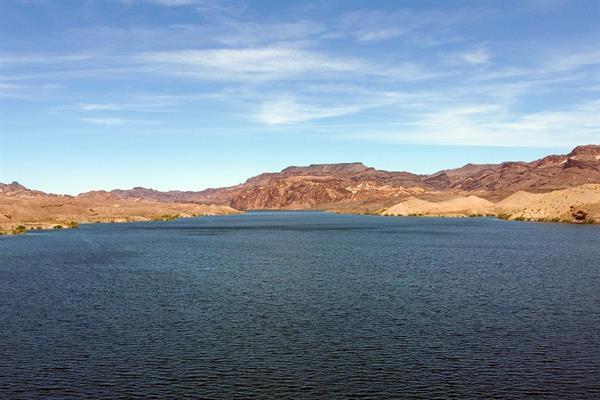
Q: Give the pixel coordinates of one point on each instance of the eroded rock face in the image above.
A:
(15, 189)
(317, 185)
(298, 187)
(579, 167)
(292, 193)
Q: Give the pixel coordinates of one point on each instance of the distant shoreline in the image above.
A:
(55, 226)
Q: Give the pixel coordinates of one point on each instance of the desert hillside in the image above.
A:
(554, 188)
(577, 204)
(51, 211)
(469, 205)
(338, 186)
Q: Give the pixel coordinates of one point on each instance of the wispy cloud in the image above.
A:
(496, 125)
(289, 111)
(203, 6)
(246, 63)
(9, 59)
(108, 121)
(290, 72)
(174, 3)
(476, 56)
(377, 25)
(26, 91)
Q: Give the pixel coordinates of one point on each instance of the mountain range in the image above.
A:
(355, 187)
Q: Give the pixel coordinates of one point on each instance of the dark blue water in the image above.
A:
(302, 305)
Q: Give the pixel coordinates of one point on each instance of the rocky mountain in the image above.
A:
(348, 185)
(15, 189)
(580, 166)
(324, 185)
(292, 188)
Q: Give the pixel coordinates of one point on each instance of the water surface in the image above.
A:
(302, 305)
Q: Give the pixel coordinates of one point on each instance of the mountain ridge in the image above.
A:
(319, 185)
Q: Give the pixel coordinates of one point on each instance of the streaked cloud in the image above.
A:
(289, 111)
(368, 66)
(494, 125)
(108, 121)
(475, 56)
(246, 63)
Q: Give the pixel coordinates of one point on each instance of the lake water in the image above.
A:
(302, 305)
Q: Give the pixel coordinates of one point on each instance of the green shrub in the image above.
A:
(19, 230)
(57, 227)
(166, 217)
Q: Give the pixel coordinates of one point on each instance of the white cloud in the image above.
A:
(236, 32)
(180, 3)
(28, 91)
(495, 125)
(246, 63)
(174, 3)
(8, 59)
(203, 6)
(476, 56)
(138, 103)
(108, 121)
(99, 107)
(377, 25)
(574, 59)
(288, 111)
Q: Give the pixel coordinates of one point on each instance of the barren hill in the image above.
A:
(325, 185)
(581, 203)
(45, 211)
(468, 205)
(576, 204)
(355, 187)
(580, 166)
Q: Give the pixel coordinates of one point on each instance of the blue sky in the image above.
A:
(189, 94)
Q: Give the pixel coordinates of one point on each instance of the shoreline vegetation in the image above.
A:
(25, 227)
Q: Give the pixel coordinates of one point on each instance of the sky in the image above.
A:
(190, 94)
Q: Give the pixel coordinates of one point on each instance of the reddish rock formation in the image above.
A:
(325, 185)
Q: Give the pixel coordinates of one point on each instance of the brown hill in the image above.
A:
(324, 185)
(292, 188)
(576, 204)
(458, 206)
(580, 166)
(356, 187)
(15, 189)
(49, 211)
